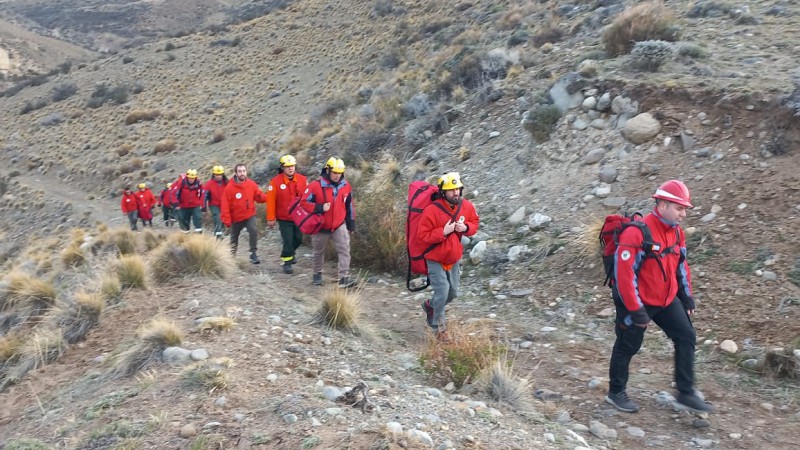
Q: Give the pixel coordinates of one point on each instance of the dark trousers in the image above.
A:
(676, 324)
(236, 228)
(191, 216)
(291, 238)
(169, 213)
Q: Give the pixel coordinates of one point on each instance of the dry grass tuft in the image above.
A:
(131, 272)
(219, 324)
(341, 309)
(139, 115)
(587, 242)
(504, 387)
(9, 347)
(781, 364)
(165, 146)
(153, 338)
(192, 255)
(210, 376)
(380, 243)
(469, 351)
(43, 347)
(218, 135)
(110, 288)
(73, 255)
(151, 239)
(29, 293)
(75, 320)
(644, 22)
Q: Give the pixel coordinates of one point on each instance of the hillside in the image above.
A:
(403, 89)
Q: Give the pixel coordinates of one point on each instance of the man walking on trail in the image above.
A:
(283, 191)
(238, 209)
(651, 282)
(190, 200)
(213, 189)
(332, 197)
(441, 227)
(147, 201)
(167, 202)
(130, 207)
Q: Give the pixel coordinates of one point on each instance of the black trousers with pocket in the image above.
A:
(676, 324)
(291, 238)
(252, 230)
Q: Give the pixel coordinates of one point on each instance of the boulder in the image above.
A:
(641, 128)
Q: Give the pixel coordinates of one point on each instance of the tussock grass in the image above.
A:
(125, 240)
(131, 272)
(587, 242)
(76, 319)
(781, 364)
(42, 347)
(139, 115)
(644, 22)
(165, 146)
(380, 243)
(219, 324)
(151, 239)
(9, 347)
(192, 255)
(209, 376)
(470, 350)
(73, 255)
(29, 294)
(341, 309)
(152, 339)
(504, 386)
(110, 288)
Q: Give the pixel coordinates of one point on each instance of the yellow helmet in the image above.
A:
(450, 181)
(335, 164)
(288, 160)
(218, 170)
(191, 173)
(142, 186)
(169, 185)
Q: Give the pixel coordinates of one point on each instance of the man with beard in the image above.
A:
(441, 227)
(238, 209)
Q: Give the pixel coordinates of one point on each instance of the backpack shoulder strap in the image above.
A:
(454, 215)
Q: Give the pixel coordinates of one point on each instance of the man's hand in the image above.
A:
(460, 227)
(326, 207)
(271, 224)
(449, 227)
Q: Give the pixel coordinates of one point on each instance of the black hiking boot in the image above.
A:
(317, 281)
(621, 401)
(287, 268)
(694, 403)
(254, 258)
(346, 282)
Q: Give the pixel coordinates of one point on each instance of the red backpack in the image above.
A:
(613, 226)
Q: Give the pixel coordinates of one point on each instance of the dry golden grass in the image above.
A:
(646, 21)
(76, 319)
(131, 272)
(110, 288)
(502, 385)
(341, 309)
(209, 376)
(9, 347)
(26, 292)
(380, 243)
(192, 255)
(469, 351)
(124, 149)
(781, 364)
(139, 115)
(73, 255)
(153, 338)
(218, 135)
(42, 347)
(218, 324)
(165, 146)
(125, 240)
(151, 239)
(587, 242)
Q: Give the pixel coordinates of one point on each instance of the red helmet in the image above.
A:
(676, 192)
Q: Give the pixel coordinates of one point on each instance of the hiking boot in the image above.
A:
(346, 282)
(694, 403)
(426, 306)
(621, 401)
(293, 260)
(317, 281)
(254, 258)
(287, 268)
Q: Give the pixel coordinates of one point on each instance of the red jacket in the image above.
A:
(129, 203)
(190, 195)
(239, 201)
(146, 198)
(167, 198)
(281, 193)
(339, 195)
(639, 280)
(213, 190)
(431, 230)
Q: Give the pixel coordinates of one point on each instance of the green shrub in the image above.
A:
(650, 55)
(63, 91)
(541, 120)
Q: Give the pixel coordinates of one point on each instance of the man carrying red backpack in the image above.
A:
(284, 189)
(441, 227)
(651, 282)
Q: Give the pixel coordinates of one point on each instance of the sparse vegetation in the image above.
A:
(77, 318)
(208, 376)
(644, 22)
(110, 288)
(505, 387)
(33, 105)
(165, 146)
(219, 324)
(63, 91)
(185, 255)
(139, 115)
(26, 444)
(28, 293)
(131, 272)
(104, 93)
(541, 120)
(380, 243)
(341, 309)
(153, 338)
(650, 55)
(42, 347)
(692, 51)
(469, 351)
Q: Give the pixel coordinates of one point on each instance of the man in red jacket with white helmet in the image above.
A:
(652, 282)
(441, 227)
(239, 209)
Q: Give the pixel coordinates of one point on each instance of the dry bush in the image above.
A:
(76, 319)
(139, 115)
(9, 347)
(219, 324)
(587, 243)
(646, 21)
(218, 135)
(206, 375)
(380, 243)
(124, 149)
(504, 387)
(28, 294)
(151, 239)
(153, 338)
(110, 288)
(165, 146)
(130, 270)
(781, 364)
(469, 351)
(125, 240)
(515, 16)
(341, 309)
(43, 347)
(192, 255)
(73, 255)
(549, 34)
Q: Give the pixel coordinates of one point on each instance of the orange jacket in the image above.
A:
(129, 203)
(146, 198)
(431, 230)
(281, 193)
(338, 195)
(239, 201)
(214, 190)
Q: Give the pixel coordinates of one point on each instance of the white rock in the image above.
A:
(550, 437)
(606, 312)
(517, 217)
(548, 329)
(589, 103)
(478, 252)
(635, 432)
(515, 252)
(708, 217)
(641, 128)
(199, 354)
(176, 356)
(420, 436)
(331, 393)
(272, 378)
(466, 139)
(728, 346)
(716, 209)
(538, 221)
(735, 435)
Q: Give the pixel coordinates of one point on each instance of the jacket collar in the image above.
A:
(665, 222)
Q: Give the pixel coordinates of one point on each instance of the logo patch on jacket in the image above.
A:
(238, 196)
(625, 255)
(283, 186)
